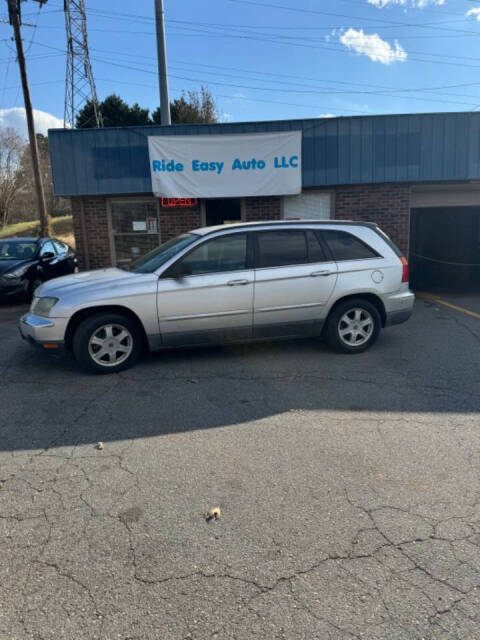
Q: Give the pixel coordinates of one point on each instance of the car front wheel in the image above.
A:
(353, 326)
(32, 285)
(107, 343)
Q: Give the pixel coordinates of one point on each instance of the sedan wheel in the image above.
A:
(34, 284)
(110, 345)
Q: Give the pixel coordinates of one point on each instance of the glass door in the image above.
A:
(134, 229)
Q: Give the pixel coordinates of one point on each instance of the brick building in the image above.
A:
(417, 176)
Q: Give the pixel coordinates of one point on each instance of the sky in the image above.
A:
(262, 60)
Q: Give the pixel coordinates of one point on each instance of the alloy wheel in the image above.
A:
(355, 327)
(110, 345)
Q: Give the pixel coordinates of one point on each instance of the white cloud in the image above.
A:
(373, 46)
(326, 115)
(16, 119)
(226, 117)
(474, 12)
(404, 3)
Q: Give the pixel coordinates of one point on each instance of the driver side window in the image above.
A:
(47, 248)
(226, 253)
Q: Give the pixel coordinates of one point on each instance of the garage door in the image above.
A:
(309, 205)
(445, 248)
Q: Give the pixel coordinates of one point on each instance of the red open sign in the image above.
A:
(178, 203)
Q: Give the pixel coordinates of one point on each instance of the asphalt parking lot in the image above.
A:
(349, 490)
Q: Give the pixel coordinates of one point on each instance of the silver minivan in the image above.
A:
(263, 280)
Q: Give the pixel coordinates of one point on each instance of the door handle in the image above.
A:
(315, 274)
(236, 283)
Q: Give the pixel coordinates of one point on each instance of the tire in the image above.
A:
(33, 284)
(353, 326)
(104, 331)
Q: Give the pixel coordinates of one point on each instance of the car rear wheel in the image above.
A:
(107, 343)
(353, 326)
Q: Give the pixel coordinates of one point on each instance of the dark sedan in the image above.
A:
(27, 262)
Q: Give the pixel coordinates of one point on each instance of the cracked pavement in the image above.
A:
(349, 489)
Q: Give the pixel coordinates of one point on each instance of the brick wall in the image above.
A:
(387, 204)
(95, 213)
(173, 222)
(267, 208)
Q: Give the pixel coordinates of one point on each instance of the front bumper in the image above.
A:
(46, 333)
(11, 289)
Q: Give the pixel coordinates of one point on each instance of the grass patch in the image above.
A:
(61, 226)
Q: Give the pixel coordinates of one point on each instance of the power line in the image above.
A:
(388, 23)
(242, 86)
(434, 25)
(281, 28)
(384, 91)
(339, 49)
(302, 44)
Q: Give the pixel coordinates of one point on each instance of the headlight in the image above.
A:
(43, 306)
(18, 272)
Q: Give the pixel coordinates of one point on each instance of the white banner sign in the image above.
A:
(216, 166)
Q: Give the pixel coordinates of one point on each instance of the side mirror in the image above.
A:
(48, 255)
(179, 271)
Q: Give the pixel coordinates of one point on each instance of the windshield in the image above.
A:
(17, 250)
(154, 259)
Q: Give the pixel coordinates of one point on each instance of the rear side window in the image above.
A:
(60, 247)
(281, 248)
(345, 246)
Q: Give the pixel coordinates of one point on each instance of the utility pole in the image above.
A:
(162, 63)
(15, 21)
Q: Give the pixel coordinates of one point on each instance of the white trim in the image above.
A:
(445, 196)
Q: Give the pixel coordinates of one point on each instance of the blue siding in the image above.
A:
(336, 151)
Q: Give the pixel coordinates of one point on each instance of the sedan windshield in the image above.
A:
(154, 259)
(17, 250)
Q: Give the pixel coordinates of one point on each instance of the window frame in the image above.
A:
(248, 263)
(303, 230)
(110, 203)
(320, 235)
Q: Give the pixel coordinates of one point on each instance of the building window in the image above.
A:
(134, 229)
(308, 205)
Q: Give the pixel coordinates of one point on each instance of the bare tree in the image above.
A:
(195, 107)
(24, 206)
(11, 149)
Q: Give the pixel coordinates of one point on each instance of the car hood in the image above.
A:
(8, 265)
(87, 281)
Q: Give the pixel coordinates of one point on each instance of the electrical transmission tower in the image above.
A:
(80, 85)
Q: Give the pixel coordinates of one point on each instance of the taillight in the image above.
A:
(405, 270)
